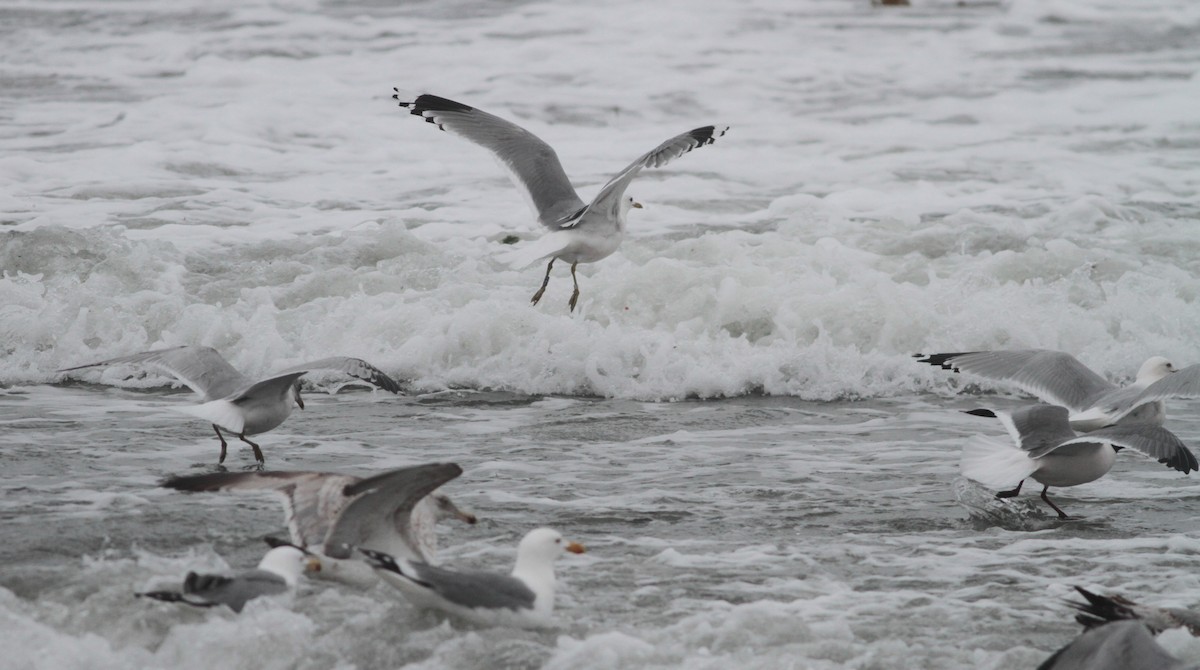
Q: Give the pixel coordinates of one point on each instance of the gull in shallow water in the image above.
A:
(1058, 378)
(329, 514)
(234, 401)
(523, 598)
(579, 232)
(1047, 450)
(277, 573)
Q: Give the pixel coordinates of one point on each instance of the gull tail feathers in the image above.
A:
(220, 412)
(995, 463)
(550, 244)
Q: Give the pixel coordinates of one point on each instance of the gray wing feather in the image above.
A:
(612, 192)
(201, 368)
(1053, 376)
(311, 500)
(380, 514)
(1184, 383)
(486, 590)
(355, 367)
(234, 591)
(532, 164)
(1041, 428)
(1154, 441)
(269, 388)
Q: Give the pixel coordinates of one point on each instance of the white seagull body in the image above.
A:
(1046, 449)
(1121, 645)
(277, 573)
(235, 402)
(329, 514)
(1059, 379)
(524, 598)
(579, 232)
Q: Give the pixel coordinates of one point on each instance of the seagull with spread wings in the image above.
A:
(234, 401)
(579, 232)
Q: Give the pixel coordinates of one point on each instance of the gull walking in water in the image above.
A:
(1047, 450)
(329, 514)
(523, 598)
(1059, 379)
(277, 573)
(232, 400)
(579, 232)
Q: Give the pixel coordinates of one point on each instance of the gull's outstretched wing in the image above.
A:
(1122, 645)
(610, 196)
(1053, 376)
(355, 367)
(311, 500)
(201, 368)
(532, 164)
(380, 512)
(1154, 441)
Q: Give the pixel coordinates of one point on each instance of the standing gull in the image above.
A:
(277, 573)
(330, 513)
(580, 233)
(232, 400)
(1058, 378)
(523, 598)
(1047, 450)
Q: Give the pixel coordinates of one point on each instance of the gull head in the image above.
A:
(541, 547)
(1154, 369)
(296, 395)
(629, 203)
(446, 509)
(289, 562)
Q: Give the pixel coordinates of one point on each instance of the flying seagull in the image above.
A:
(1059, 379)
(1047, 450)
(277, 573)
(329, 513)
(580, 233)
(524, 597)
(234, 401)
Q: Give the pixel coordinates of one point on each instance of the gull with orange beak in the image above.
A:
(523, 598)
(234, 401)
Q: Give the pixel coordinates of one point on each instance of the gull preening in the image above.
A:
(234, 401)
(1058, 378)
(579, 232)
(329, 514)
(525, 597)
(277, 573)
(1047, 450)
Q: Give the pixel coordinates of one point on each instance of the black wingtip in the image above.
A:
(980, 412)
(944, 361)
(380, 560)
(707, 134)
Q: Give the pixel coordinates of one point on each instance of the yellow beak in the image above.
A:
(575, 548)
(636, 204)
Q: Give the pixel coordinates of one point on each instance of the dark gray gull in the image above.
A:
(579, 232)
(1120, 645)
(523, 598)
(277, 573)
(232, 400)
(1059, 379)
(1098, 610)
(328, 513)
(1046, 449)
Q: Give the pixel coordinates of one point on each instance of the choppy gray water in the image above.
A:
(1017, 174)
